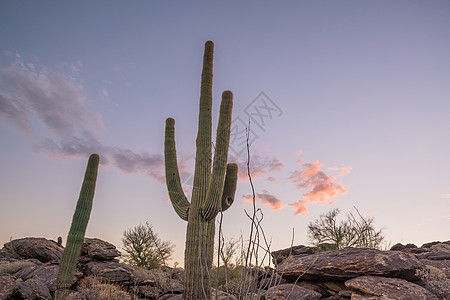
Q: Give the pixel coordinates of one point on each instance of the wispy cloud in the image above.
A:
(259, 165)
(266, 198)
(50, 108)
(322, 187)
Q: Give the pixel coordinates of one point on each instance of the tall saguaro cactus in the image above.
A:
(214, 184)
(77, 230)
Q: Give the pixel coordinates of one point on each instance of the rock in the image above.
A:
(7, 286)
(435, 255)
(109, 271)
(341, 265)
(290, 291)
(429, 245)
(389, 288)
(160, 278)
(221, 295)
(171, 297)
(280, 255)
(443, 265)
(147, 291)
(45, 273)
(99, 249)
(310, 285)
(33, 289)
(39, 248)
(401, 247)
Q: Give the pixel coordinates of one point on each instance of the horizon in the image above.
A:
(348, 105)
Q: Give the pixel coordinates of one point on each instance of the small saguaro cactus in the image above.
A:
(77, 230)
(214, 184)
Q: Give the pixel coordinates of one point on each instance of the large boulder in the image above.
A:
(33, 288)
(341, 265)
(39, 248)
(110, 271)
(382, 288)
(45, 273)
(280, 255)
(98, 249)
(290, 291)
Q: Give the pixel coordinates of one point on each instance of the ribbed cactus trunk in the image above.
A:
(77, 230)
(214, 184)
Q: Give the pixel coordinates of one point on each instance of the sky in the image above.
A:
(348, 104)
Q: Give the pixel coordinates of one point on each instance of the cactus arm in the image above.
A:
(77, 229)
(203, 153)
(176, 194)
(229, 189)
(212, 202)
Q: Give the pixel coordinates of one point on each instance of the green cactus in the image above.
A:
(214, 184)
(77, 230)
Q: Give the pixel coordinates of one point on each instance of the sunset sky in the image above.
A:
(348, 103)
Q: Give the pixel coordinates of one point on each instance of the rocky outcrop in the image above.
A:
(29, 268)
(404, 272)
(99, 250)
(290, 291)
(341, 265)
(40, 248)
(388, 288)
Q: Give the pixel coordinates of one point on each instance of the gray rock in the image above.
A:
(109, 271)
(435, 255)
(171, 297)
(401, 247)
(443, 265)
(99, 249)
(7, 286)
(33, 288)
(341, 265)
(39, 248)
(389, 288)
(290, 291)
(45, 273)
(280, 255)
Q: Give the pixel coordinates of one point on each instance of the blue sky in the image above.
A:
(361, 89)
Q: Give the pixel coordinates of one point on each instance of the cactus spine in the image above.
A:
(214, 184)
(77, 230)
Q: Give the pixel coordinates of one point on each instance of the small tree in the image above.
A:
(351, 232)
(144, 248)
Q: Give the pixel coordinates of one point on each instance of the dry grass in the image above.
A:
(10, 267)
(92, 288)
(435, 281)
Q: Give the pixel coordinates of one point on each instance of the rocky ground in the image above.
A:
(29, 267)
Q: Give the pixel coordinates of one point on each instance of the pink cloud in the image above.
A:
(322, 187)
(299, 207)
(266, 198)
(344, 171)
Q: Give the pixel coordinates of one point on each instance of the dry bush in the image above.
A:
(353, 232)
(435, 281)
(92, 288)
(10, 267)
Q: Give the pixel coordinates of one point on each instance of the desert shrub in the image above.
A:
(92, 288)
(352, 232)
(10, 267)
(144, 248)
(435, 281)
